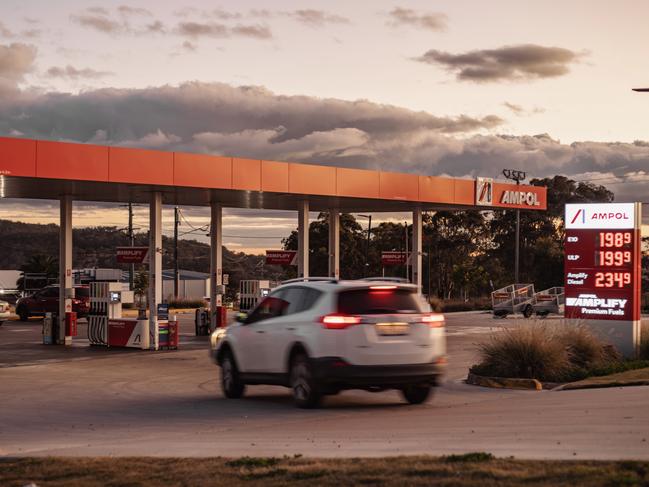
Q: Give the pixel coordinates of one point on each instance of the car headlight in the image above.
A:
(216, 336)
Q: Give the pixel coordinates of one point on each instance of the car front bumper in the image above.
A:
(335, 371)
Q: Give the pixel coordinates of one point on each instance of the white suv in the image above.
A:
(321, 336)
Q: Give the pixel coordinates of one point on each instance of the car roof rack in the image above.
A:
(310, 279)
(388, 279)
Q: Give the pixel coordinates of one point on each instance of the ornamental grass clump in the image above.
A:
(549, 353)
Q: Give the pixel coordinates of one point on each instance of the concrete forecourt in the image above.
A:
(82, 401)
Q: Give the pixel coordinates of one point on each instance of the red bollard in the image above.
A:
(71, 324)
(221, 316)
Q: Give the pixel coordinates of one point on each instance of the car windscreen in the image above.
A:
(378, 301)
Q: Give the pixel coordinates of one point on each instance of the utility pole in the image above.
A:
(131, 237)
(367, 244)
(176, 270)
(517, 176)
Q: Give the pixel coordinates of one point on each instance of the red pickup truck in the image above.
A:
(46, 300)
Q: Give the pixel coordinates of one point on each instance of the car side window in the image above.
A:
(310, 298)
(270, 307)
(295, 297)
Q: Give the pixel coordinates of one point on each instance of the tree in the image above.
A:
(541, 260)
(456, 240)
(352, 246)
(43, 264)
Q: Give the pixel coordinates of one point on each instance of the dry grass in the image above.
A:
(545, 352)
(475, 469)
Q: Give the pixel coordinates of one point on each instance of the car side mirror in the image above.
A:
(240, 317)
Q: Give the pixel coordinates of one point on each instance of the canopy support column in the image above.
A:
(155, 269)
(334, 243)
(303, 239)
(66, 286)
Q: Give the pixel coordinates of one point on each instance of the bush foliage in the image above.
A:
(182, 303)
(546, 352)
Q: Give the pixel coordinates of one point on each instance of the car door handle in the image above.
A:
(290, 328)
(261, 331)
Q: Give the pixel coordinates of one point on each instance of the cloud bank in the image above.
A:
(252, 121)
(507, 63)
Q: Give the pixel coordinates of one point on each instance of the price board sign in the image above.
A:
(602, 262)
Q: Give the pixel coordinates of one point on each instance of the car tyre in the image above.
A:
(416, 393)
(307, 392)
(23, 313)
(231, 384)
(528, 311)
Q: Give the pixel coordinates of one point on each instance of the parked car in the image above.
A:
(322, 337)
(5, 311)
(46, 300)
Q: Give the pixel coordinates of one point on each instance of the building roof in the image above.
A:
(43, 169)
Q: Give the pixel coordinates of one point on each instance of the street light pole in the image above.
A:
(517, 176)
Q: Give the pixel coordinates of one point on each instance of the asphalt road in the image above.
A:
(88, 401)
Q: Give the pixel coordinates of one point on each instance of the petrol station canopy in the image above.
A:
(41, 169)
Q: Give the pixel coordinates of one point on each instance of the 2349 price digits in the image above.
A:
(612, 279)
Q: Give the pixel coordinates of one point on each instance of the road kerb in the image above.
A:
(574, 386)
(504, 382)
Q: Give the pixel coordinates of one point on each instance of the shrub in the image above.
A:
(529, 351)
(473, 457)
(435, 304)
(449, 305)
(186, 303)
(553, 353)
(585, 350)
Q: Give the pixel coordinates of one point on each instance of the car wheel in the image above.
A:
(528, 311)
(416, 393)
(23, 313)
(306, 391)
(231, 383)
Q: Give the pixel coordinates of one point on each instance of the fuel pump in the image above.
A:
(105, 323)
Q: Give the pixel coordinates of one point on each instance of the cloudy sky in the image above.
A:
(458, 87)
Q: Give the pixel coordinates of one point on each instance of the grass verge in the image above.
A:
(473, 469)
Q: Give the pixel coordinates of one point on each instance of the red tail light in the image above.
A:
(339, 321)
(433, 320)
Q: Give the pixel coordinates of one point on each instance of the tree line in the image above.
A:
(465, 253)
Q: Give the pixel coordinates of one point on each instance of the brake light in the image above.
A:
(434, 320)
(383, 288)
(339, 322)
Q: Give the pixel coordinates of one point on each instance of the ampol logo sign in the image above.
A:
(484, 191)
(605, 216)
